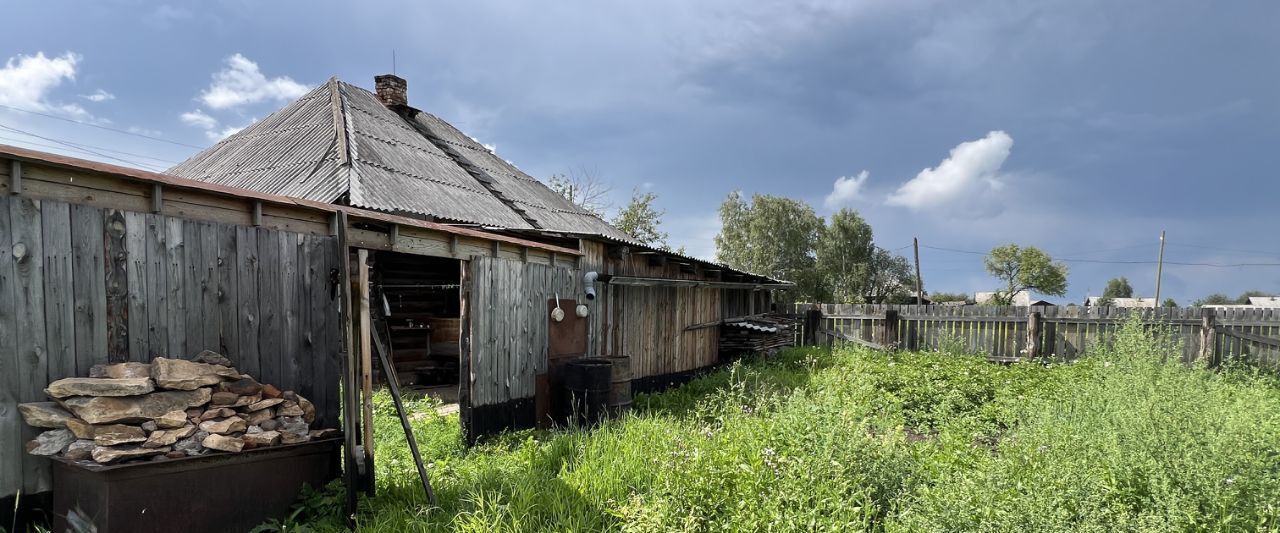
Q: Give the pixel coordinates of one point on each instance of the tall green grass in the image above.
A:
(862, 441)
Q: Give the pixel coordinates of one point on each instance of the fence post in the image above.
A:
(1033, 334)
(889, 329)
(1207, 339)
(812, 321)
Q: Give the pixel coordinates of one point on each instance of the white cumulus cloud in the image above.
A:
(846, 189)
(241, 82)
(26, 81)
(967, 174)
(199, 119)
(99, 96)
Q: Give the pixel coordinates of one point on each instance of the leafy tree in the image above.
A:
(844, 256)
(1216, 298)
(1118, 288)
(889, 279)
(949, 297)
(1169, 302)
(1106, 301)
(640, 220)
(1025, 269)
(774, 236)
(582, 189)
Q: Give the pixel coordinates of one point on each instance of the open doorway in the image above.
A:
(419, 299)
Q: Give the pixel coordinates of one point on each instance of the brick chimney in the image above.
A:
(392, 90)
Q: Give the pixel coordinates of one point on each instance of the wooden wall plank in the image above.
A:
(206, 275)
(226, 293)
(117, 283)
(157, 286)
(308, 386)
(270, 292)
(89, 287)
(246, 300)
(11, 430)
(136, 270)
(289, 281)
(176, 270)
(59, 310)
(28, 306)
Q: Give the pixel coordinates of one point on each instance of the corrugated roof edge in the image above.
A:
(23, 154)
(703, 262)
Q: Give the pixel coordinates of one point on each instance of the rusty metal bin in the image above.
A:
(221, 492)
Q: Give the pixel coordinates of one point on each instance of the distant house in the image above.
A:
(1255, 302)
(1022, 298)
(1264, 301)
(1095, 301)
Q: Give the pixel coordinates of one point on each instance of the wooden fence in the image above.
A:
(81, 285)
(1008, 332)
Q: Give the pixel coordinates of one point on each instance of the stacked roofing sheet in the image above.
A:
(340, 140)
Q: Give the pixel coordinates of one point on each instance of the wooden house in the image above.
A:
(455, 257)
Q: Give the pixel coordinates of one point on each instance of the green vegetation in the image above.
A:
(861, 441)
(1118, 288)
(836, 262)
(1024, 269)
(640, 220)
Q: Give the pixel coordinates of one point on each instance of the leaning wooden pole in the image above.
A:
(393, 383)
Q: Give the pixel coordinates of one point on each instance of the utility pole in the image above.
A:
(915, 243)
(1160, 268)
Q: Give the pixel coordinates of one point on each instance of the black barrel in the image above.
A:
(586, 382)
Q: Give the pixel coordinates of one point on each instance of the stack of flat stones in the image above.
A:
(166, 409)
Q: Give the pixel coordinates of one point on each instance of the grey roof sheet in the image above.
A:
(292, 152)
(415, 164)
(546, 207)
(397, 169)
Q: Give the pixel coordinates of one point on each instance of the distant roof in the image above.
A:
(1022, 298)
(339, 143)
(1122, 302)
(1265, 301)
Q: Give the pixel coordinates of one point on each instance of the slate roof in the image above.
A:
(339, 143)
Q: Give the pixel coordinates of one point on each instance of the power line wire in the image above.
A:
(1107, 262)
(121, 152)
(101, 127)
(75, 147)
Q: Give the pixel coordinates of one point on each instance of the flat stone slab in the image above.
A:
(51, 442)
(68, 387)
(121, 371)
(116, 434)
(134, 409)
(44, 415)
(179, 374)
(111, 454)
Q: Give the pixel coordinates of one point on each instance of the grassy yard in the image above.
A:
(854, 440)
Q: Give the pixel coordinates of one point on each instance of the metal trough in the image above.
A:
(220, 492)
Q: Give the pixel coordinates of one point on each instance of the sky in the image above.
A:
(1083, 127)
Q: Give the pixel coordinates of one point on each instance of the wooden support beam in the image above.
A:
(497, 247)
(366, 359)
(394, 236)
(453, 245)
(524, 253)
(350, 422)
(1033, 334)
(257, 213)
(1207, 338)
(15, 177)
(157, 198)
(553, 259)
(889, 329)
